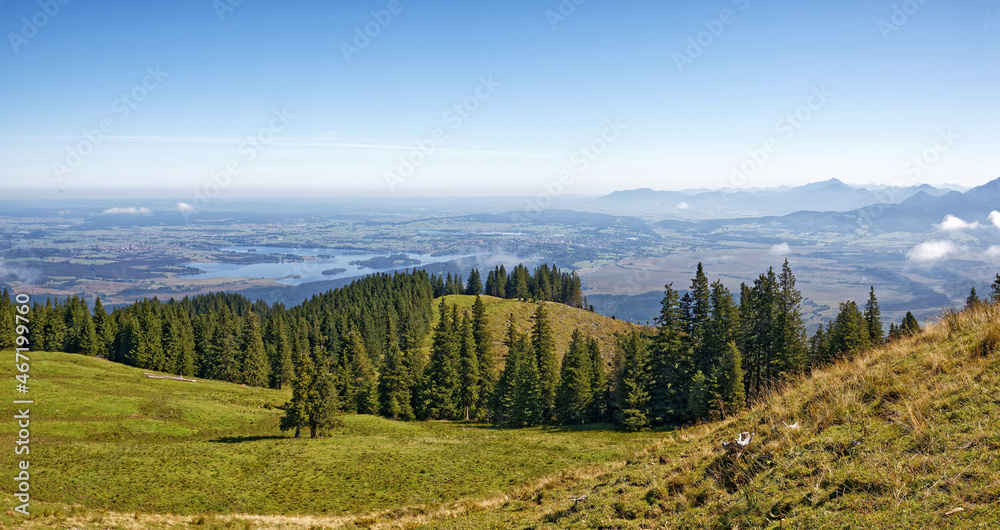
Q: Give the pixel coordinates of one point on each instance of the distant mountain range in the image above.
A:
(827, 196)
(920, 211)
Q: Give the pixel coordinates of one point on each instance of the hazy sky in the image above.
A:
(452, 98)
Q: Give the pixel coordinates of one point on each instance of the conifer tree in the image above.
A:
(394, 384)
(474, 287)
(501, 278)
(226, 347)
(527, 406)
(502, 400)
(280, 352)
(468, 369)
(995, 290)
(728, 381)
(910, 326)
(103, 328)
(671, 364)
(297, 410)
(791, 351)
(484, 354)
(544, 345)
(442, 394)
(698, 397)
(972, 300)
(633, 382)
(599, 388)
(364, 380)
(849, 334)
(873, 316)
(574, 395)
(7, 315)
(254, 366)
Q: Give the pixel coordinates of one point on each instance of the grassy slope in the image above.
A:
(111, 440)
(564, 320)
(895, 438)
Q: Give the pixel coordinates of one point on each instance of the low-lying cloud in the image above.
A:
(183, 207)
(954, 224)
(130, 210)
(780, 249)
(683, 206)
(931, 251)
(995, 218)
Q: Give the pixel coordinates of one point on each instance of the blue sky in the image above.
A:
(773, 94)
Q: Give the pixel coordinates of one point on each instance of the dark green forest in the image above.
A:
(357, 349)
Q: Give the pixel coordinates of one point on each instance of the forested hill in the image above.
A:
(227, 337)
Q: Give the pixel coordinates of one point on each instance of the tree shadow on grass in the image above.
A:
(241, 439)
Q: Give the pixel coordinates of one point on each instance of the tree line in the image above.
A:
(548, 283)
(357, 349)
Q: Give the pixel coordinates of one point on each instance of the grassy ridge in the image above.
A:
(109, 439)
(901, 437)
(564, 320)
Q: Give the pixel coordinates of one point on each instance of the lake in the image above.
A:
(321, 259)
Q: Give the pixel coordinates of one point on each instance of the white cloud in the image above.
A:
(953, 224)
(781, 249)
(931, 251)
(183, 207)
(993, 252)
(995, 218)
(129, 210)
(683, 206)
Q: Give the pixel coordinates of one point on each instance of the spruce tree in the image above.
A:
(995, 290)
(791, 351)
(103, 328)
(280, 352)
(442, 393)
(849, 334)
(972, 300)
(544, 345)
(573, 397)
(254, 366)
(727, 380)
(297, 410)
(527, 406)
(633, 382)
(474, 287)
(698, 397)
(873, 316)
(226, 348)
(502, 400)
(468, 369)
(599, 388)
(364, 380)
(671, 363)
(484, 354)
(7, 316)
(394, 384)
